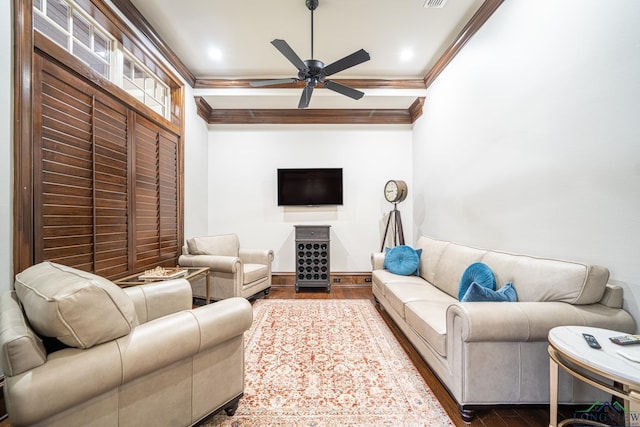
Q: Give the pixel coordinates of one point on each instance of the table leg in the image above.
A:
(553, 393)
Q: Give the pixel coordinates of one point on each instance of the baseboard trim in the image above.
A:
(357, 279)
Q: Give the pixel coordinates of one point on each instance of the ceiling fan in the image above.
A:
(313, 71)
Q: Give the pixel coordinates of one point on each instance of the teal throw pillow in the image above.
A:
(507, 293)
(479, 273)
(403, 260)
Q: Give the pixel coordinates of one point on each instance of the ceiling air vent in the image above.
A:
(435, 4)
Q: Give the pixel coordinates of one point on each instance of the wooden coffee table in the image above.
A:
(569, 350)
(190, 273)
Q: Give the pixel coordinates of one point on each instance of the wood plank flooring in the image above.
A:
(498, 417)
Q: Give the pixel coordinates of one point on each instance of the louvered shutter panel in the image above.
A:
(111, 189)
(156, 195)
(106, 193)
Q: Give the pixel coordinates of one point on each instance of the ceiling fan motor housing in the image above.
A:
(314, 74)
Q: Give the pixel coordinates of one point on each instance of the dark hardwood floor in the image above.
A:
(498, 417)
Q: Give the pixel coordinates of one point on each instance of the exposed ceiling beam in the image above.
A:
(355, 83)
(308, 116)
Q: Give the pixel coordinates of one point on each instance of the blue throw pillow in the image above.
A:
(479, 273)
(478, 293)
(402, 260)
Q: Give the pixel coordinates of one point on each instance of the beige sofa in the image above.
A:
(234, 271)
(492, 353)
(138, 356)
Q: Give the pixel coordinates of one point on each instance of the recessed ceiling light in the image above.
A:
(215, 54)
(406, 54)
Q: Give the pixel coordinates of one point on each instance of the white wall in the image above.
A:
(243, 197)
(530, 140)
(196, 147)
(6, 145)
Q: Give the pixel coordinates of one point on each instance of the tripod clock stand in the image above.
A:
(395, 191)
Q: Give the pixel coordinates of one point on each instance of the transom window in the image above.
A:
(69, 26)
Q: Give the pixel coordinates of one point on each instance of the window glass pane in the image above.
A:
(133, 90)
(127, 68)
(58, 12)
(81, 30)
(150, 85)
(87, 56)
(161, 93)
(155, 106)
(48, 29)
(138, 76)
(101, 45)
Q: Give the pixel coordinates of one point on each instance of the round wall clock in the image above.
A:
(395, 191)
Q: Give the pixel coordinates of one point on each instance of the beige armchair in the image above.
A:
(76, 349)
(234, 271)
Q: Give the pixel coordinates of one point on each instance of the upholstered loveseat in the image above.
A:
(77, 350)
(492, 353)
(234, 271)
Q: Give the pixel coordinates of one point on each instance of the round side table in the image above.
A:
(569, 350)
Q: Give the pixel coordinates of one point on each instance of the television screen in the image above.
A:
(309, 187)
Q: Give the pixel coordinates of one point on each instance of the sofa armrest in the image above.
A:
(529, 321)
(158, 299)
(612, 296)
(181, 335)
(377, 261)
(225, 264)
(256, 256)
(87, 373)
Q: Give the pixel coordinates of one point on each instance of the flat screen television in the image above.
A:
(310, 187)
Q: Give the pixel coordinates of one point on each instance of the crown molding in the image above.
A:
(476, 22)
(153, 39)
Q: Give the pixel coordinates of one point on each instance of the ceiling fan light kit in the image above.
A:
(313, 71)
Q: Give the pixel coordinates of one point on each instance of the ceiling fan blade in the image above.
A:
(305, 97)
(347, 62)
(261, 83)
(293, 57)
(342, 89)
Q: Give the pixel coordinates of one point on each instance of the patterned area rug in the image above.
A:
(328, 363)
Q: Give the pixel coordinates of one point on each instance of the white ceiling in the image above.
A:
(241, 32)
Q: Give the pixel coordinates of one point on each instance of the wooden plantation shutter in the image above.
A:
(80, 182)
(156, 180)
(105, 179)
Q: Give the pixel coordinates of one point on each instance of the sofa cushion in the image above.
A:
(429, 320)
(78, 308)
(478, 273)
(543, 279)
(224, 245)
(454, 261)
(401, 293)
(253, 272)
(381, 278)
(475, 293)
(402, 259)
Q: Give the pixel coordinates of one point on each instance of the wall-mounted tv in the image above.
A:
(310, 187)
